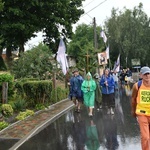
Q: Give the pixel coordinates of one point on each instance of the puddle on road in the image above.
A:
(76, 131)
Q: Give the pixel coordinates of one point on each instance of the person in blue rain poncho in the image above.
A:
(107, 82)
(88, 87)
(75, 94)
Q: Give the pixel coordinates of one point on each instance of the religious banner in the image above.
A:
(102, 58)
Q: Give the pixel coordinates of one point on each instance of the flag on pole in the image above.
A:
(118, 64)
(61, 56)
(107, 52)
(102, 34)
(114, 66)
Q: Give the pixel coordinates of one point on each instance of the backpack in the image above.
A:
(139, 84)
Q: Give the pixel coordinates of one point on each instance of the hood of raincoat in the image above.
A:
(89, 74)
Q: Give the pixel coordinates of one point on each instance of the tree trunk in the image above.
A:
(21, 48)
(8, 53)
(4, 92)
(1, 51)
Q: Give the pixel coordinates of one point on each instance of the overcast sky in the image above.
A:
(100, 9)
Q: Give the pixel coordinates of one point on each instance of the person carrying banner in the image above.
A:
(107, 82)
(75, 93)
(140, 106)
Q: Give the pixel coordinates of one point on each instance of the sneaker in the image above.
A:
(97, 109)
(111, 111)
(90, 115)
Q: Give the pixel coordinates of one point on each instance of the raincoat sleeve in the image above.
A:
(111, 82)
(93, 86)
(84, 87)
(102, 81)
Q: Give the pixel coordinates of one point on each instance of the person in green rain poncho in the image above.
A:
(92, 142)
(88, 87)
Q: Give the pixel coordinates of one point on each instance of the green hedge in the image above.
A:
(19, 85)
(37, 91)
(6, 77)
(40, 92)
(58, 94)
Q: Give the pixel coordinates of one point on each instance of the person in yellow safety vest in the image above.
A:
(140, 106)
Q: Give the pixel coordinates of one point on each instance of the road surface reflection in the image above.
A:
(76, 131)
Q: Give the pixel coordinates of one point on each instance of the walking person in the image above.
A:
(140, 106)
(88, 87)
(107, 82)
(98, 93)
(76, 94)
(116, 79)
(129, 75)
(122, 77)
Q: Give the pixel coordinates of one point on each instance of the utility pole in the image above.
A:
(87, 62)
(95, 39)
(95, 34)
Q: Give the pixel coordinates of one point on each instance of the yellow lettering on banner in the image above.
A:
(145, 96)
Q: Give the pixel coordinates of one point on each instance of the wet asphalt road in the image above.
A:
(76, 131)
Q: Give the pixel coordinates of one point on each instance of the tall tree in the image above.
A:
(128, 31)
(82, 46)
(21, 19)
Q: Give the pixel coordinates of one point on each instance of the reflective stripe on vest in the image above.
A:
(143, 101)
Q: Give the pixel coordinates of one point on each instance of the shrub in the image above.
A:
(39, 106)
(19, 85)
(6, 77)
(38, 91)
(36, 63)
(23, 115)
(7, 110)
(3, 125)
(58, 94)
(20, 105)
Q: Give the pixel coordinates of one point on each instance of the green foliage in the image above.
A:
(37, 91)
(7, 110)
(19, 105)
(36, 63)
(82, 45)
(128, 31)
(40, 106)
(30, 17)
(23, 115)
(1, 5)
(6, 77)
(3, 125)
(19, 85)
(58, 94)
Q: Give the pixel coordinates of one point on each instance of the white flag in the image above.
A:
(102, 34)
(107, 52)
(118, 64)
(61, 57)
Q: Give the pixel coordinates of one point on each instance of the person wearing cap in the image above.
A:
(140, 106)
(88, 87)
(75, 93)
